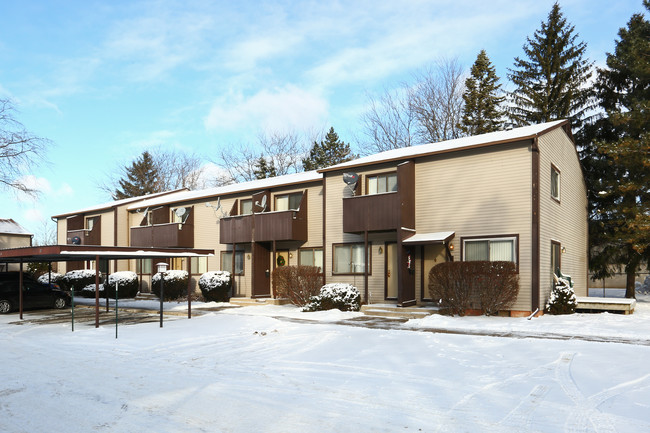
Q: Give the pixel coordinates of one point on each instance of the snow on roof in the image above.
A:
(491, 138)
(9, 226)
(254, 185)
(115, 203)
(423, 238)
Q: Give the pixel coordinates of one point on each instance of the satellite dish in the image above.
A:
(180, 212)
(262, 204)
(350, 178)
(76, 240)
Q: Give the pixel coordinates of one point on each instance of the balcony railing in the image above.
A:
(375, 212)
(170, 235)
(86, 237)
(236, 229)
(289, 225)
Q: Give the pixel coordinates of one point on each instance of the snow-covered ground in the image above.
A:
(250, 370)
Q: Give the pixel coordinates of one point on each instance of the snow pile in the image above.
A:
(80, 274)
(562, 299)
(214, 280)
(344, 297)
(47, 278)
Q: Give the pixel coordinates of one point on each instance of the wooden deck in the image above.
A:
(624, 305)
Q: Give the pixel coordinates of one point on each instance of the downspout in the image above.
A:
(366, 266)
(535, 229)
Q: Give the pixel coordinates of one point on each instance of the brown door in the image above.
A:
(261, 270)
(406, 290)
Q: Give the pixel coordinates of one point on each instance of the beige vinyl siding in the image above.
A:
(566, 221)
(483, 192)
(14, 241)
(61, 231)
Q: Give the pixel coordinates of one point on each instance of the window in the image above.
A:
(288, 201)
(490, 249)
(311, 257)
(145, 266)
(349, 259)
(381, 183)
(556, 251)
(555, 183)
(246, 207)
(226, 262)
(90, 223)
(199, 265)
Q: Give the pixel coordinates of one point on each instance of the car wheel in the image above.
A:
(5, 306)
(59, 303)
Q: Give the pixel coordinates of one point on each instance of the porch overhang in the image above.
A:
(430, 238)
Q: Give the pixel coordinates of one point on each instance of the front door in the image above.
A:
(391, 280)
(261, 270)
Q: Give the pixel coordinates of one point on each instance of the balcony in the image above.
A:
(86, 237)
(376, 212)
(169, 235)
(236, 229)
(289, 225)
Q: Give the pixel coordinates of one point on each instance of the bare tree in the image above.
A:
(437, 100)
(428, 110)
(178, 170)
(20, 150)
(283, 151)
(389, 122)
(46, 234)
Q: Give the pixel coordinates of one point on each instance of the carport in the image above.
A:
(97, 253)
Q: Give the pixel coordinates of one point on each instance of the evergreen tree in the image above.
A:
(483, 99)
(329, 152)
(264, 169)
(616, 157)
(551, 82)
(140, 179)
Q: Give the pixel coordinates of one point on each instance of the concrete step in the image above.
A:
(390, 310)
(247, 302)
(146, 296)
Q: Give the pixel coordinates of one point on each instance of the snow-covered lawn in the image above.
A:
(240, 370)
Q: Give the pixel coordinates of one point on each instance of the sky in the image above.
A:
(106, 80)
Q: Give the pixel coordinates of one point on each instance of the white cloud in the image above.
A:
(34, 215)
(280, 109)
(38, 184)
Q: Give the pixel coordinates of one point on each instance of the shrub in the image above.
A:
(215, 286)
(80, 279)
(55, 279)
(297, 283)
(89, 291)
(174, 284)
(344, 297)
(562, 299)
(127, 282)
(487, 286)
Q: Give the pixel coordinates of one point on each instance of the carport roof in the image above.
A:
(62, 253)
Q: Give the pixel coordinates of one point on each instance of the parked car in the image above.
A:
(35, 294)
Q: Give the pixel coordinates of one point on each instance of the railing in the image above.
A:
(86, 237)
(375, 212)
(236, 229)
(287, 225)
(170, 235)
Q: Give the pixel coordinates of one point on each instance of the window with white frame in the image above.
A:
(246, 207)
(490, 249)
(377, 184)
(349, 259)
(288, 201)
(311, 257)
(555, 183)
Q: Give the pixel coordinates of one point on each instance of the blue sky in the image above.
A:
(106, 80)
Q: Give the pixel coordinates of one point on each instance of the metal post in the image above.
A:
(117, 284)
(162, 268)
(20, 290)
(72, 306)
(96, 291)
(189, 285)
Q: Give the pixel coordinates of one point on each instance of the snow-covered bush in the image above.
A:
(562, 299)
(53, 278)
(344, 297)
(297, 283)
(127, 284)
(79, 279)
(174, 284)
(215, 286)
(89, 291)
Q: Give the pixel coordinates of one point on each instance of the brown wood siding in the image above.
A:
(374, 212)
(236, 229)
(171, 235)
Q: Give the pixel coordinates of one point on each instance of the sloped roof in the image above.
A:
(254, 185)
(9, 226)
(112, 204)
(489, 139)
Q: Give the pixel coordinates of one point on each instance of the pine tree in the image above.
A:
(264, 169)
(329, 152)
(616, 157)
(140, 179)
(551, 83)
(483, 99)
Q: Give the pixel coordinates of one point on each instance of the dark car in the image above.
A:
(35, 294)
